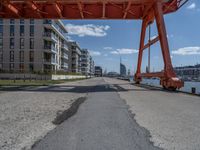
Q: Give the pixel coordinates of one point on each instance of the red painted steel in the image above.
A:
(145, 10)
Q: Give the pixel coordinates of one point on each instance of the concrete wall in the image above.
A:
(38, 77)
(61, 77)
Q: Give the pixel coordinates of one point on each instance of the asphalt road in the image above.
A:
(102, 122)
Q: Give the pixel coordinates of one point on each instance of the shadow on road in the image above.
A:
(78, 89)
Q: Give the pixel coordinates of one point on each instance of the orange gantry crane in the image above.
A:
(145, 10)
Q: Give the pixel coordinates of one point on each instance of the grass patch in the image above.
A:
(35, 82)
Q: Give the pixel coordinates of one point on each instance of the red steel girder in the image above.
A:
(168, 77)
(83, 9)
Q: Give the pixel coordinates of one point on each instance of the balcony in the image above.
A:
(65, 56)
(50, 24)
(65, 47)
(50, 48)
(50, 36)
(49, 61)
(64, 65)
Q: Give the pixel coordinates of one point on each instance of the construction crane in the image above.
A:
(146, 10)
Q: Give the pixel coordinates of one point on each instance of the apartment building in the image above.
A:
(75, 57)
(92, 67)
(85, 62)
(33, 45)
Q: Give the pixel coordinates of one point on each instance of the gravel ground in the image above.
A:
(172, 118)
(26, 114)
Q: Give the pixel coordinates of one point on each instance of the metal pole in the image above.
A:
(149, 53)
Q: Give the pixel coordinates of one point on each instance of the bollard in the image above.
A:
(193, 90)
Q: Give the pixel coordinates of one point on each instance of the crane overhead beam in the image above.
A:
(84, 9)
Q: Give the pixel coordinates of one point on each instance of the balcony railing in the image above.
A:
(50, 47)
(65, 46)
(50, 35)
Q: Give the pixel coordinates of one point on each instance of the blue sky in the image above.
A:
(107, 40)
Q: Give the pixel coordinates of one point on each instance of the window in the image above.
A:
(21, 56)
(1, 66)
(11, 56)
(1, 30)
(12, 21)
(31, 30)
(21, 21)
(31, 67)
(31, 43)
(21, 30)
(47, 21)
(31, 56)
(21, 67)
(12, 30)
(31, 21)
(12, 43)
(21, 43)
(1, 21)
(1, 43)
(11, 66)
(1, 56)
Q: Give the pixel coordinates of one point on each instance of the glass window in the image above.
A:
(12, 43)
(12, 21)
(47, 21)
(1, 43)
(21, 21)
(21, 30)
(11, 66)
(1, 30)
(21, 43)
(1, 56)
(31, 43)
(11, 56)
(21, 56)
(12, 30)
(31, 30)
(31, 56)
(31, 67)
(1, 21)
(21, 67)
(31, 21)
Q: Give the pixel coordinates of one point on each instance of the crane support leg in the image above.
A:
(168, 77)
(138, 77)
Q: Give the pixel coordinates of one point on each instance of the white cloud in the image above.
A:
(87, 30)
(108, 48)
(192, 6)
(94, 53)
(124, 51)
(105, 55)
(187, 51)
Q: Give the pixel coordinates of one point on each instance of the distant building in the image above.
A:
(75, 57)
(122, 70)
(112, 74)
(92, 67)
(98, 71)
(188, 72)
(28, 45)
(85, 62)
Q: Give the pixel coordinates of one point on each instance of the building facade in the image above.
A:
(122, 70)
(92, 67)
(33, 45)
(75, 57)
(85, 62)
(188, 72)
(98, 71)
